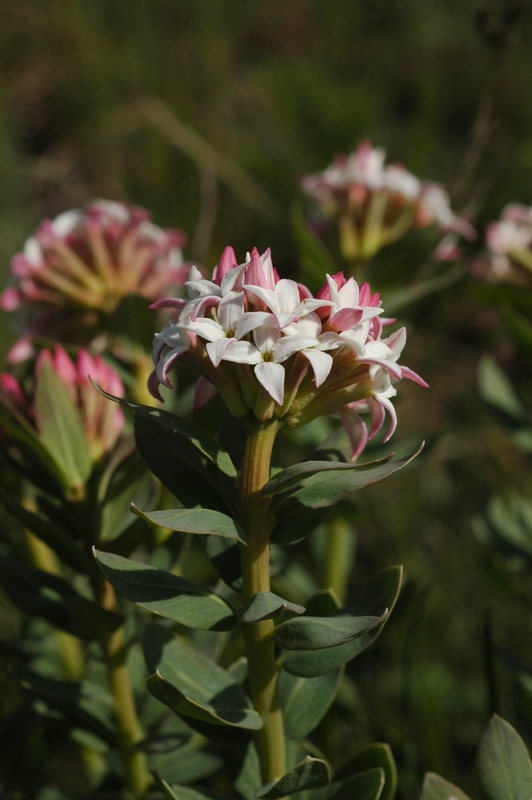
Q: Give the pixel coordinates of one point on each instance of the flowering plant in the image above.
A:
(509, 242)
(377, 203)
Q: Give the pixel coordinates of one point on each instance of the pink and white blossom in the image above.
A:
(509, 243)
(377, 203)
(273, 350)
(85, 261)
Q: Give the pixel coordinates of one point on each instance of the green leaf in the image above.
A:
(294, 529)
(164, 787)
(195, 687)
(191, 762)
(41, 594)
(292, 476)
(224, 556)
(382, 592)
(305, 701)
(165, 594)
(129, 482)
(503, 763)
(266, 605)
(317, 633)
(197, 520)
(220, 714)
(368, 785)
(330, 483)
(375, 755)
(496, 389)
(312, 773)
(60, 426)
(203, 442)
(182, 474)
(57, 539)
(436, 788)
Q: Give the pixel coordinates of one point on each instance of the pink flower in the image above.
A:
(102, 422)
(88, 260)
(509, 242)
(377, 203)
(273, 350)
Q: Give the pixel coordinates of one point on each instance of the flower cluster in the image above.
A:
(89, 260)
(102, 422)
(509, 241)
(377, 203)
(273, 350)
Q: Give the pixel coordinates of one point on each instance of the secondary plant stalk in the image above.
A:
(129, 730)
(258, 636)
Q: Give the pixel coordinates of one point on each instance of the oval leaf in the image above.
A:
(266, 605)
(222, 714)
(214, 698)
(196, 520)
(376, 755)
(312, 773)
(380, 593)
(165, 594)
(435, 788)
(504, 766)
(196, 436)
(317, 633)
(292, 477)
(366, 785)
(305, 701)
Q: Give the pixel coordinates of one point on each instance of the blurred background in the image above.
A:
(209, 113)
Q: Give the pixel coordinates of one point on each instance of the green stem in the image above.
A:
(339, 556)
(258, 636)
(137, 775)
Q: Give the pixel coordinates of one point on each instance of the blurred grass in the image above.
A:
(247, 98)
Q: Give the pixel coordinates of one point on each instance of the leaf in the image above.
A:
(375, 755)
(317, 633)
(224, 556)
(381, 592)
(436, 788)
(57, 539)
(195, 687)
(203, 442)
(129, 482)
(292, 476)
(187, 764)
(164, 787)
(199, 521)
(266, 605)
(183, 475)
(60, 426)
(368, 785)
(221, 714)
(503, 763)
(496, 389)
(305, 701)
(294, 529)
(330, 483)
(312, 773)
(41, 594)
(165, 594)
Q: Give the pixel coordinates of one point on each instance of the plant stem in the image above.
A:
(138, 778)
(339, 555)
(258, 636)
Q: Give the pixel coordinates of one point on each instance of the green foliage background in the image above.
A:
(107, 98)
